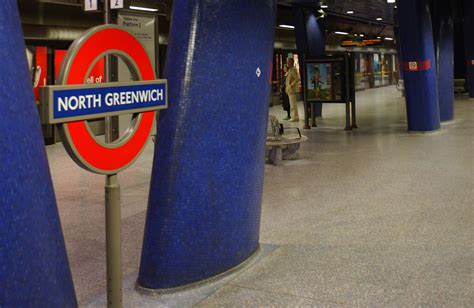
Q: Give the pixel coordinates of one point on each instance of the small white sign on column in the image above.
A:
(90, 5)
(116, 4)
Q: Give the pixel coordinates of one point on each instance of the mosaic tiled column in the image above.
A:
(310, 38)
(418, 62)
(206, 190)
(444, 42)
(34, 269)
(469, 39)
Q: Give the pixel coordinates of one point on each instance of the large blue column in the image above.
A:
(418, 57)
(206, 190)
(310, 37)
(444, 42)
(469, 42)
(34, 269)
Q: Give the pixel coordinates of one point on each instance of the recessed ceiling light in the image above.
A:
(379, 37)
(395, 7)
(379, 18)
(391, 1)
(389, 39)
(361, 35)
(342, 33)
(286, 26)
(350, 12)
(355, 34)
(324, 6)
(141, 8)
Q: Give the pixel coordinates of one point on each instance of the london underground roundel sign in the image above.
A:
(72, 103)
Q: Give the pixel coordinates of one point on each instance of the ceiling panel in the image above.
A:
(363, 9)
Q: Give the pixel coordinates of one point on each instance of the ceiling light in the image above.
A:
(350, 12)
(323, 6)
(286, 26)
(391, 1)
(355, 34)
(361, 35)
(342, 33)
(379, 37)
(141, 8)
(389, 39)
(379, 18)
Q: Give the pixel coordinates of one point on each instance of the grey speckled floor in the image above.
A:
(373, 217)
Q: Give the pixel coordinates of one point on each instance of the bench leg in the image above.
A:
(276, 156)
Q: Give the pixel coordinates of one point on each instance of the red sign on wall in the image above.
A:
(95, 76)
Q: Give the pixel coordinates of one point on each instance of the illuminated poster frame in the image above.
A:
(318, 82)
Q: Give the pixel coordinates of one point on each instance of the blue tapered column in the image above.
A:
(444, 25)
(206, 190)
(310, 37)
(469, 39)
(416, 36)
(34, 269)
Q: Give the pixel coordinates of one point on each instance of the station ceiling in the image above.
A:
(68, 13)
(364, 10)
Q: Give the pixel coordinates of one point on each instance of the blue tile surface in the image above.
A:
(34, 270)
(205, 197)
(416, 38)
(444, 43)
(469, 42)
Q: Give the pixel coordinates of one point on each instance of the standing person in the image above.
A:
(293, 89)
(284, 95)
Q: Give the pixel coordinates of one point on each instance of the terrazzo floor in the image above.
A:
(372, 217)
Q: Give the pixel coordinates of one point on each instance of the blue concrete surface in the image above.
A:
(206, 190)
(34, 269)
(416, 36)
(444, 42)
(469, 42)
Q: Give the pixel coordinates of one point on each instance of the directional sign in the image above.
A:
(90, 5)
(116, 4)
(84, 102)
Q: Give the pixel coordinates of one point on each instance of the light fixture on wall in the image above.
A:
(290, 27)
(141, 8)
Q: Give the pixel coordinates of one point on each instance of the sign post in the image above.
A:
(72, 103)
(113, 215)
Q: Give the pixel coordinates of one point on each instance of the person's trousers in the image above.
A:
(294, 106)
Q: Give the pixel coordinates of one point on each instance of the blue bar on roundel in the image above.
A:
(71, 102)
(206, 190)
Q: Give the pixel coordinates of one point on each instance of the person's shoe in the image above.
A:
(294, 120)
(287, 119)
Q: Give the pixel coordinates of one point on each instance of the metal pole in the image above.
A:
(113, 242)
(109, 131)
(347, 93)
(112, 207)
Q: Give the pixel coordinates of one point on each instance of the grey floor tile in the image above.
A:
(247, 298)
(371, 217)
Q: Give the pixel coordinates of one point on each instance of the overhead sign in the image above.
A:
(116, 4)
(84, 102)
(90, 5)
(363, 43)
(76, 101)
